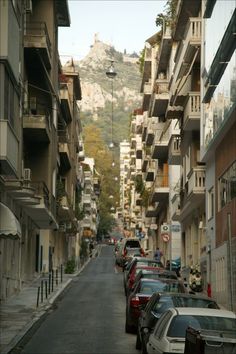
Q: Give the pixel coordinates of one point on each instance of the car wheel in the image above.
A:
(138, 342)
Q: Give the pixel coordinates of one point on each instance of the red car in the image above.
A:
(134, 273)
(139, 261)
(141, 294)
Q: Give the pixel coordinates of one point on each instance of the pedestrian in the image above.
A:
(158, 254)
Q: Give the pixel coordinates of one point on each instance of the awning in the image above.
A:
(9, 224)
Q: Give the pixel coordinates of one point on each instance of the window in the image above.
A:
(162, 324)
(11, 100)
(227, 186)
(210, 201)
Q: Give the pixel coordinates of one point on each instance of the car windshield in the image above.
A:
(180, 323)
(151, 287)
(194, 302)
(132, 244)
(167, 301)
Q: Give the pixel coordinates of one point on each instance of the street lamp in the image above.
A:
(111, 74)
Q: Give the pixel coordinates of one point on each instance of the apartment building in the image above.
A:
(218, 146)
(188, 136)
(89, 201)
(124, 182)
(39, 143)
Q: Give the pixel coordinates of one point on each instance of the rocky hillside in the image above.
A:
(96, 89)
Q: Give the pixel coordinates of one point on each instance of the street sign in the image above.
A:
(165, 229)
(165, 237)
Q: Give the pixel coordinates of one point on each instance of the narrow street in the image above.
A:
(89, 317)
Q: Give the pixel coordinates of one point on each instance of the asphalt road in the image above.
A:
(89, 317)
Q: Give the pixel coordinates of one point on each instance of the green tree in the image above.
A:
(109, 196)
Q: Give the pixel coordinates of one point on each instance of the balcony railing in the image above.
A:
(196, 180)
(175, 207)
(174, 150)
(36, 36)
(187, 48)
(37, 127)
(192, 112)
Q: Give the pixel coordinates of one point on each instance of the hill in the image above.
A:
(96, 90)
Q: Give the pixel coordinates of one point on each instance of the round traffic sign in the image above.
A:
(165, 237)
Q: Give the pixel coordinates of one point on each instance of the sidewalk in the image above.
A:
(20, 312)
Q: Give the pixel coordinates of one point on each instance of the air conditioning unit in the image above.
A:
(165, 229)
(27, 174)
(28, 6)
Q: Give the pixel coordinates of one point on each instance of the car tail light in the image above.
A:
(124, 252)
(134, 302)
(144, 299)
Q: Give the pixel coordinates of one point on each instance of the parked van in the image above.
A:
(128, 248)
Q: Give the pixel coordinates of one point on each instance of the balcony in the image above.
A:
(65, 211)
(87, 200)
(194, 193)
(65, 103)
(175, 207)
(9, 149)
(160, 145)
(146, 90)
(139, 150)
(36, 128)
(185, 9)
(64, 150)
(192, 112)
(152, 125)
(174, 112)
(151, 211)
(188, 50)
(24, 195)
(160, 189)
(174, 150)
(43, 213)
(147, 66)
(144, 163)
(164, 51)
(161, 97)
(36, 38)
(196, 183)
(151, 171)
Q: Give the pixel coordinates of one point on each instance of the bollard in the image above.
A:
(61, 272)
(56, 277)
(41, 290)
(46, 289)
(49, 283)
(38, 296)
(52, 279)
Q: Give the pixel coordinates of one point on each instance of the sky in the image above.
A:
(123, 24)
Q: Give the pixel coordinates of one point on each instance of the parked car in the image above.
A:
(170, 330)
(138, 261)
(129, 247)
(174, 265)
(139, 297)
(142, 271)
(159, 303)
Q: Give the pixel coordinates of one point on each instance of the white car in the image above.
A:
(169, 333)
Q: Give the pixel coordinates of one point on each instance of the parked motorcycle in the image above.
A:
(195, 281)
